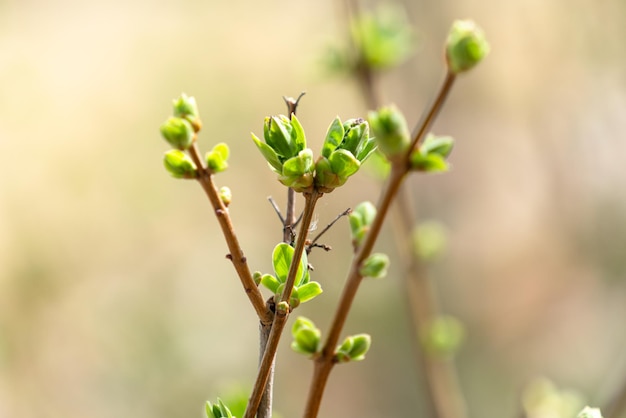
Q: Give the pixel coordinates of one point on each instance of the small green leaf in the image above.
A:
(430, 163)
(281, 260)
(270, 283)
(334, 136)
(308, 291)
(299, 165)
(278, 136)
(343, 163)
(269, 154)
(441, 145)
(297, 134)
(375, 266)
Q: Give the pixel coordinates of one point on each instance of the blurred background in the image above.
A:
(115, 297)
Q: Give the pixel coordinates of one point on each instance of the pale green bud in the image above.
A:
(375, 266)
(217, 158)
(226, 196)
(178, 132)
(186, 107)
(179, 164)
(390, 131)
(466, 46)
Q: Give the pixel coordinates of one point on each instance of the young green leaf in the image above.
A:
(334, 136)
(281, 260)
(308, 291)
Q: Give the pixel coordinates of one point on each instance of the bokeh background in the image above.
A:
(115, 297)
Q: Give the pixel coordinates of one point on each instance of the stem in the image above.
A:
(236, 255)
(325, 360)
(265, 405)
(427, 119)
(281, 315)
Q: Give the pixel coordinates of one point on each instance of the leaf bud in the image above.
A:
(217, 158)
(179, 164)
(226, 196)
(466, 46)
(178, 132)
(353, 348)
(375, 266)
(185, 107)
(390, 130)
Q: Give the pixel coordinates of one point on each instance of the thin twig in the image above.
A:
(236, 255)
(280, 317)
(276, 209)
(313, 243)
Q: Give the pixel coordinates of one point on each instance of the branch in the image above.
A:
(325, 360)
(236, 255)
(281, 315)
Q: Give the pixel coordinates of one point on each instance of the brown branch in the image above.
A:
(281, 315)
(325, 361)
(236, 255)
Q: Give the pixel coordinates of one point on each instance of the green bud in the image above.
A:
(353, 348)
(432, 153)
(297, 172)
(218, 410)
(360, 219)
(178, 132)
(391, 131)
(179, 164)
(429, 240)
(466, 46)
(375, 266)
(217, 158)
(285, 136)
(588, 412)
(443, 336)
(306, 336)
(440, 145)
(186, 107)
(257, 276)
(282, 307)
(226, 195)
(346, 146)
